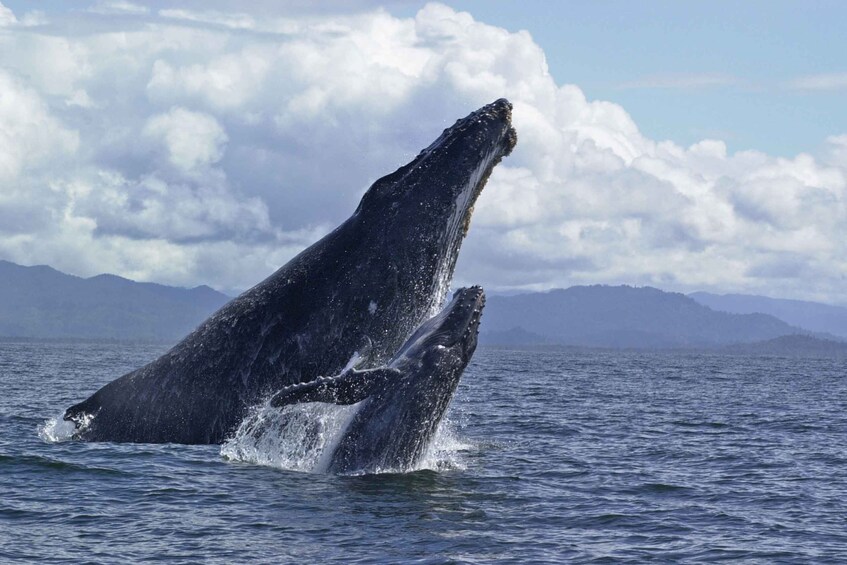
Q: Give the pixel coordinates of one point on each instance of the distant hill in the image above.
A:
(619, 316)
(516, 336)
(812, 316)
(41, 302)
(791, 346)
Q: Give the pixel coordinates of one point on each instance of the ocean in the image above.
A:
(579, 456)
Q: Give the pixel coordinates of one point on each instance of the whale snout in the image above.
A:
(501, 110)
(487, 130)
(477, 301)
(463, 318)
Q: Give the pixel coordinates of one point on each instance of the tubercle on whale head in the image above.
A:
(468, 314)
(499, 110)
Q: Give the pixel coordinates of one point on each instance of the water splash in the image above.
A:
(299, 437)
(303, 437)
(57, 429)
(445, 451)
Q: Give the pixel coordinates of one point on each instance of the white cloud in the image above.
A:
(119, 7)
(203, 146)
(823, 81)
(686, 81)
(192, 139)
(30, 137)
(225, 82)
(234, 21)
(7, 17)
(52, 65)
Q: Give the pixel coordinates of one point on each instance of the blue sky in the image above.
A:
(689, 70)
(687, 146)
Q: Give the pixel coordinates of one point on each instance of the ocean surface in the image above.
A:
(591, 457)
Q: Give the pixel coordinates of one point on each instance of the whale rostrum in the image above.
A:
(352, 297)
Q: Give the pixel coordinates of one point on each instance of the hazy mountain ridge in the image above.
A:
(41, 302)
(791, 346)
(812, 316)
(622, 316)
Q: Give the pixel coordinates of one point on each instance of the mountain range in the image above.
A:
(790, 346)
(812, 316)
(41, 302)
(621, 316)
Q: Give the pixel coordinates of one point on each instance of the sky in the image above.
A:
(687, 146)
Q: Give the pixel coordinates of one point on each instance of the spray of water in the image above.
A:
(303, 437)
(444, 452)
(57, 429)
(300, 437)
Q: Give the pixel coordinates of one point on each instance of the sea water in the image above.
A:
(584, 456)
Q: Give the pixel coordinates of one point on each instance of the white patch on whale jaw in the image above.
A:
(470, 192)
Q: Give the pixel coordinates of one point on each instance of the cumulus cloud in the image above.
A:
(31, 139)
(197, 145)
(192, 139)
(7, 17)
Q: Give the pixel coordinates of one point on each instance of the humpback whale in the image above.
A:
(404, 401)
(351, 299)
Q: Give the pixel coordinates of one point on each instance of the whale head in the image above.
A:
(450, 333)
(422, 211)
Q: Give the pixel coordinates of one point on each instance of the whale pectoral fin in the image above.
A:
(349, 387)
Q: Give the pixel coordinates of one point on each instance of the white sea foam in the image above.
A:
(57, 429)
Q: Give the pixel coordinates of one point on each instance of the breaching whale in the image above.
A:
(404, 401)
(351, 298)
